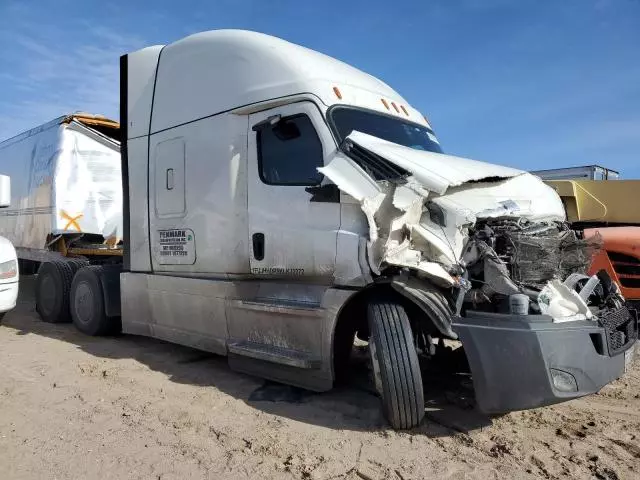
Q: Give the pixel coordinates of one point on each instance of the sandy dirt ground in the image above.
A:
(75, 407)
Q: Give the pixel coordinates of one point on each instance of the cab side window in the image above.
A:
(290, 152)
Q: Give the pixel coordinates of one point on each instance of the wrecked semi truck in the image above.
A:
(66, 196)
(278, 202)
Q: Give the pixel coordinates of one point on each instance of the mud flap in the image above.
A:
(430, 301)
(110, 279)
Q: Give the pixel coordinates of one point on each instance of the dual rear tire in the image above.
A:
(53, 288)
(72, 290)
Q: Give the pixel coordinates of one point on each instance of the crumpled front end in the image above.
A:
(485, 231)
(509, 272)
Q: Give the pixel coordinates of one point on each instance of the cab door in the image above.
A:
(294, 212)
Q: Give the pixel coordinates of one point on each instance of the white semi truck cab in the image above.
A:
(278, 202)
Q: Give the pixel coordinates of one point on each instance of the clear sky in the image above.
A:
(531, 84)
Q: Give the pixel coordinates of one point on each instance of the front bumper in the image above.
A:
(523, 362)
(8, 296)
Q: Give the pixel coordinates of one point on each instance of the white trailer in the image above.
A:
(278, 202)
(586, 172)
(67, 189)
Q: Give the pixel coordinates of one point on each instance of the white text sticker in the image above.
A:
(175, 247)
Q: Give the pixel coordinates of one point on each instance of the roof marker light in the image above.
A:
(336, 90)
(404, 110)
(384, 102)
(395, 107)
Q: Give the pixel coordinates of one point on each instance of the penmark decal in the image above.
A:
(176, 247)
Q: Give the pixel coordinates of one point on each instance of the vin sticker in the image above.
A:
(277, 271)
(175, 246)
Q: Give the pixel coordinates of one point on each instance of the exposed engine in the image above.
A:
(538, 252)
(505, 257)
(543, 266)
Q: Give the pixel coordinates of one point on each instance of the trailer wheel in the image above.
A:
(87, 303)
(52, 291)
(394, 360)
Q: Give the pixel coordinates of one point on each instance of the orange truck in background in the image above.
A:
(597, 201)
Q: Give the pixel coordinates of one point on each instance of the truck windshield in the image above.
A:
(344, 120)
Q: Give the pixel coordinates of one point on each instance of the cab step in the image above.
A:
(281, 306)
(273, 354)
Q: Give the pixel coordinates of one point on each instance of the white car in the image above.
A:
(8, 259)
(9, 276)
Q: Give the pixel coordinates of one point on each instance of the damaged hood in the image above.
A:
(435, 171)
(468, 189)
(420, 204)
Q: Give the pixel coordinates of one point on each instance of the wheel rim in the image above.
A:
(83, 302)
(47, 295)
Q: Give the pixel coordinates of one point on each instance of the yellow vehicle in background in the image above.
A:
(597, 201)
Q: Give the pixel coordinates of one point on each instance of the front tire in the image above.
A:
(87, 303)
(395, 365)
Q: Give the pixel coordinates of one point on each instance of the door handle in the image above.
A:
(169, 178)
(258, 246)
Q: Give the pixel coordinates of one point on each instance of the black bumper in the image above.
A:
(523, 362)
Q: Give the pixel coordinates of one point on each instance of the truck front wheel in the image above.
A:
(87, 303)
(395, 365)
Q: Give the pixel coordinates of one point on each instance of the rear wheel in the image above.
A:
(77, 263)
(87, 303)
(395, 365)
(52, 291)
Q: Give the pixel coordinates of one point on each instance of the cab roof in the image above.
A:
(221, 70)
